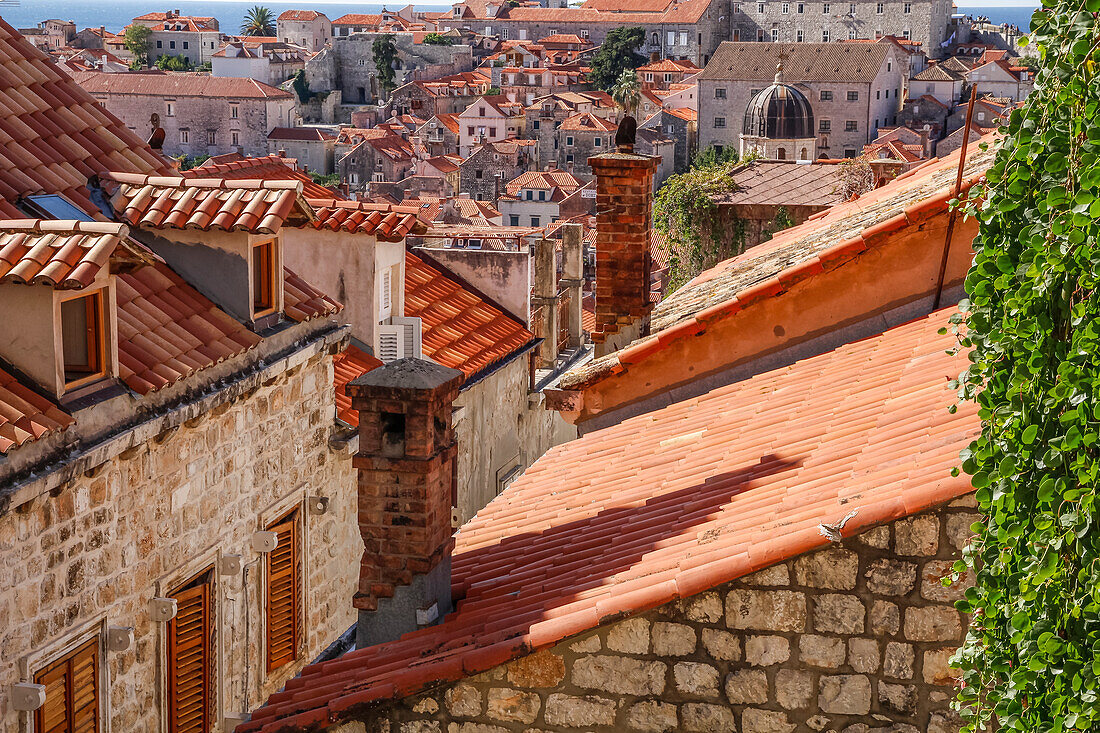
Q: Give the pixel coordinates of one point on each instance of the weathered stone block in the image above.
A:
(958, 529)
(817, 722)
(513, 705)
(475, 728)
(570, 711)
(587, 645)
(776, 610)
(840, 614)
(933, 623)
(463, 701)
(760, 651)
(917, 536)
(834, 569)
(541, 669)
(619, 675)
(421, 726)
(722, 645)
(651, 716)
(937, 669)
(698, 717)
(898, 661)
(885, 618)
(765, 721)
(703, 608)
(898, 698)
(932, 587)
(827, 652)
(695, 678)
(877, 537)
(673, 640)
(426, 706)
(773, 576)
(891, 577)
(630, 636)
(863, 655)
(944, 721)
(794, 688)
(747, 686)
(845, 694)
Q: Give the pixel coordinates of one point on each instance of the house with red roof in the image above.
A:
(489, 167)
(490, 118)
(546, 113)
(540, 198)
(759, 551)
(1002, 78)
(449, 94)
(662, 74)
(313, 147)
(196, 38)
(439, 135)
(269, 61)
(166, 410)
(581, 136)
(310, 29)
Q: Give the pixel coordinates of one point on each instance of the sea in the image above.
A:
(116, 14)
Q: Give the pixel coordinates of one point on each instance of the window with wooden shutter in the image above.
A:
(190, 659)
(72, 693)
(283, 616)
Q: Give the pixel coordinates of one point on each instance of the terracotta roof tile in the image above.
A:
(831, 62)
(26, 415)
(65, 255)
(311, 134)
(176, 85)
(386, 222)
(350, 364)
(550, 179)
(564, 38)
(169, 202)
(586, 122)
(652, 11)
(53, 135)
(299, 15)
(302, 301)
(168, 331)
(783, 184)
(672, 503)
(461, 329)
(266, 168)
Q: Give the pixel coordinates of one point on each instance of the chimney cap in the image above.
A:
(407, 374)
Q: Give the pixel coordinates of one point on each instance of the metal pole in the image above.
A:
(953, 215)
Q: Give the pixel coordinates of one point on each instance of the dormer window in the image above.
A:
(263, 278)
(82, 339)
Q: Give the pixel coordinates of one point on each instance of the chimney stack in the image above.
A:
(624, 223)
(406, 489)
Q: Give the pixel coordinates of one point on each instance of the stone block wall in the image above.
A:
(853, 638)
(94, 551)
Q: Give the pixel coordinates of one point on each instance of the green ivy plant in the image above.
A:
(1031, 324)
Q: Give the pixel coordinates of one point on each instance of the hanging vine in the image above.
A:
(1031, 661)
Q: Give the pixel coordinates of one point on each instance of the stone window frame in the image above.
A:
(826, 95)
(719, 123)
(775, 35)
(30, 663)
(880, 8)
(825, 125)
(853, 96)
(720, 93)
(296, 499)
(185, 135)
(170, 108)
(760, 8)
(825, 9)
(851, 126)
(759, 35)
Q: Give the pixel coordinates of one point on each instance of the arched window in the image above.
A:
(802, 155)
(781, 154)
(655, 39)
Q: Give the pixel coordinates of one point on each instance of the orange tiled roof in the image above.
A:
(350, 364)
(669, 504)
(461, 329)
(386, 222)
(658, 11)
(168, 331)
(268, 168)
(176, 85)
(564, 38)
(303, 302)
(26, 415)
(586, 122)
(65, 255)
(55, 135)
(299, 15)
(670, 65)
(564, 180)
(160, 202)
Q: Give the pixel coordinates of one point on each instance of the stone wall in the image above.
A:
(854, 638)
(94, 551)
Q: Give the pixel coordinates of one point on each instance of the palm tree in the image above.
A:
(627, 91)
(258, 21)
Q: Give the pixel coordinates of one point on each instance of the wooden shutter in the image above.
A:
(283, 617)
(190, 667)
(72, 693)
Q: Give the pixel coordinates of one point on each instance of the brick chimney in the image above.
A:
(406, 487)
(624, 223)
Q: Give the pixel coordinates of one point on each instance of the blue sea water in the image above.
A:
(1014, 15)
(116, 14)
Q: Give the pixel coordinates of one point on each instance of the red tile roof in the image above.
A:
(168, 331)
(660, 11)
(55, 136)
(565, 38)
(300, 134)
(176, 85)
(670, 65)
(386, 222)
(586, 122)
(550, 179)
(299, 15)
(267, 168)
(302, 301)
(168, 202)
(461, 329)
(669, 504)
(26, 415)
(350, 364)
(65, 255)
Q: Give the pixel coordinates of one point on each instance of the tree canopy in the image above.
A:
(1031, 323)
(627, 91)
(437, 39)
(618, 52)
(384, 50)
(136, 40)
(258, 21)
(173, 63)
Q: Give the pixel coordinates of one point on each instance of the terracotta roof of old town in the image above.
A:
(176, 85)
(669, 504)
(802, 62)
(64, 255)
(300, 15)
(384, 221)
(234, 166)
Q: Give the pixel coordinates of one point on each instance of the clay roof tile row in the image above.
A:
(26, 415)
(386, 222)
(65, 255)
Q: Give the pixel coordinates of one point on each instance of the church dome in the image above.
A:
(779, 112)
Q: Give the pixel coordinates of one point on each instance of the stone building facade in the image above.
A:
(856, 635)
(814, 22)
(195, 38)
(306, 28)
(854, 89)
(490, 166)
(200, 115)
